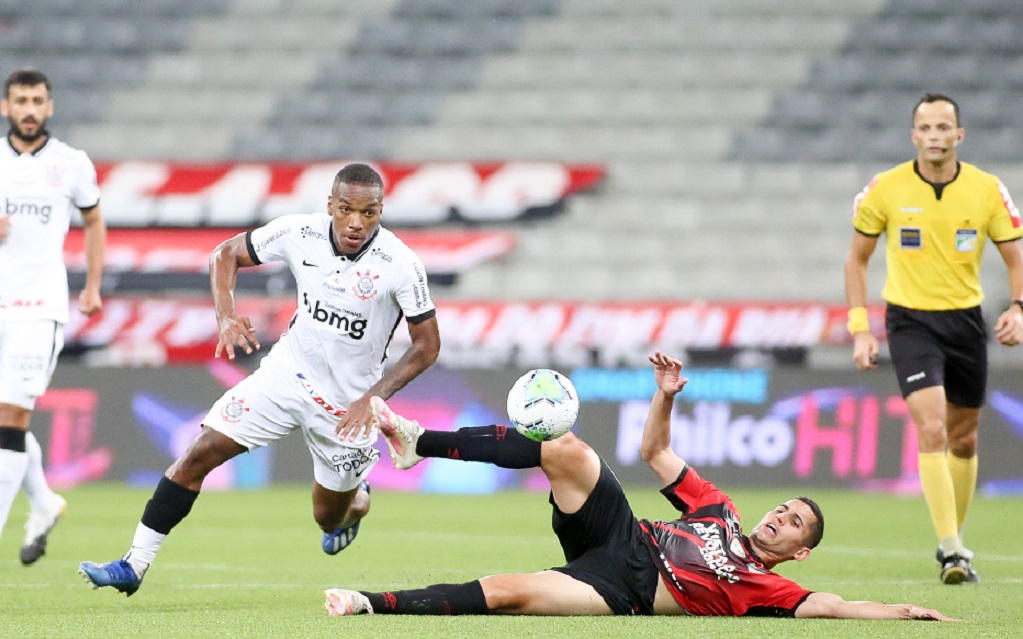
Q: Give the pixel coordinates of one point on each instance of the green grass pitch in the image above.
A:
(248, 564)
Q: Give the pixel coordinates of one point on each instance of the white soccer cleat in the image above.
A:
(401, 434)
(340, 602)
(38, 527)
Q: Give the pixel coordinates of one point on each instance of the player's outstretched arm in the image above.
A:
(233, 331)
(656, 445)
(421, 354)
(829, 606)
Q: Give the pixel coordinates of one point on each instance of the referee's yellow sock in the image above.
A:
(939, 493)
(964, 480)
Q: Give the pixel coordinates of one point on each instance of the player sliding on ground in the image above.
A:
(699, 564)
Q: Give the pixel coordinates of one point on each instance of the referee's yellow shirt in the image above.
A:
(934, 245)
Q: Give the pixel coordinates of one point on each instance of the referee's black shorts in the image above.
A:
(940, 348)
(604, 548)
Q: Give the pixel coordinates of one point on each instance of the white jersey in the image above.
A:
(348, 306)
(39, 191)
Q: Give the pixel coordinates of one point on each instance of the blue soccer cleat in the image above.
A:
(117, 574)
(335, 542)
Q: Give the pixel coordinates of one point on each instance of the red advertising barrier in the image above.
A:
(142, 194)
(162, 250)
(486, 334)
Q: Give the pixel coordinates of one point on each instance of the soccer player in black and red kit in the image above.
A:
(698, 564)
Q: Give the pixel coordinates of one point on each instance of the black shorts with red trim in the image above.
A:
(604, 547)
(940, 348)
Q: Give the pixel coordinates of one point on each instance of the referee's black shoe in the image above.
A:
(956, 569)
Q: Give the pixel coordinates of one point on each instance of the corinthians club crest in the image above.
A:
(364, 287)
(231, 412)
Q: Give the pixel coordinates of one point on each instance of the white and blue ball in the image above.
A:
(543, 404)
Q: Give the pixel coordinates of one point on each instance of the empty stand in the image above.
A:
(735, 133)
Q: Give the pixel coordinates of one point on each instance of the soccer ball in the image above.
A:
(543, 405)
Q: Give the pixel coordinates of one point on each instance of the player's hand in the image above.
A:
(865, 349)
(89, 302)
(235, 331)
(5, 226)
(926, 614)
(1009, 327)
(357, 421)
(667, 373)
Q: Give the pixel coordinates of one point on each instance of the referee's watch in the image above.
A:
(1018, 303)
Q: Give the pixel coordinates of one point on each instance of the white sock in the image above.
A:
(144, 547)
(34, 484)
(12, 471)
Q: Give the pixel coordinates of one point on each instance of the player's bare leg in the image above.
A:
(572, 468)
(542, 593)
(171, 502)
(338, 514)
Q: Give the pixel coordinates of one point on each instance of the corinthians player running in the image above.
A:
(42, 181)
(355, 280)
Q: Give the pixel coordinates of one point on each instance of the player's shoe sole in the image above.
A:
(339, 602)
(37, 530)
(400, 434)
(117, 574)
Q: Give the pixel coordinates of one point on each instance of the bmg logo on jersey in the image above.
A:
(42, 211)
(355, 328)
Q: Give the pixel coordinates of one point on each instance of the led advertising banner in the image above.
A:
(739, 427)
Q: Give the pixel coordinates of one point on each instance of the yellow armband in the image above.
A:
(858, 321)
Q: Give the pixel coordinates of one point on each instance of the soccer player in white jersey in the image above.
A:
(355, 280)
(42, 181)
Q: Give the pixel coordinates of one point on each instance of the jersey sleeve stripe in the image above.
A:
(251, 249)
(1009, 205)
(421, 318)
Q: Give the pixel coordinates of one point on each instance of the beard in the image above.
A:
(28, 138)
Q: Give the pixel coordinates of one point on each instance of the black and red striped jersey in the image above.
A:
(707, 562)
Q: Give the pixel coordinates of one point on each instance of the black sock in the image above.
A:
(440, 599)
(12, 438)
(170, 504)
(498, 445)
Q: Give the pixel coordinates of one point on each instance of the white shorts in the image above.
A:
(273, 402)
(28, 355)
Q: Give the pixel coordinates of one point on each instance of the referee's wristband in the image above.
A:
(1018, 303)
(858, 321)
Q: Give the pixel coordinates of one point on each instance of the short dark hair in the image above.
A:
(817, 527)
(362, 174)
(930, 97)
(28, 78)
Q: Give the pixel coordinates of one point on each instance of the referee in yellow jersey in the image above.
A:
(936, 213)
